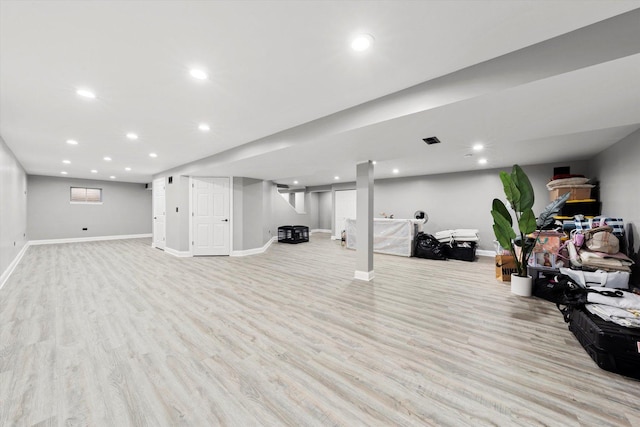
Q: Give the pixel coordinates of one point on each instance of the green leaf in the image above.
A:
(527, 222)
(510, 189)
(546, 217)
(500, 208)
(524, 187)
(503, 231)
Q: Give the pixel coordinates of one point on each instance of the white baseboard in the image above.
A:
(320, 230)
(88, 239)
(484, 252)
(364, 275)
(7, 273)
(254, 251)
(179, 254)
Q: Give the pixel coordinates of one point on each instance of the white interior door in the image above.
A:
(344, 207)
(159, 209)
(210, 216)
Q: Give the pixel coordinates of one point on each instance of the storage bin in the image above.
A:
(462, 251)
(293, 234)
(588, 207)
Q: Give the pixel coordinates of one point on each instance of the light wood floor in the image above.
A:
(116, 333)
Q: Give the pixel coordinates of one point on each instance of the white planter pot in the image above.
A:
(522, 286)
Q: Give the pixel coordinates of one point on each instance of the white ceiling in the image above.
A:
(287, 99)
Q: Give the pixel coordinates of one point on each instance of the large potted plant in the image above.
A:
(520, 195)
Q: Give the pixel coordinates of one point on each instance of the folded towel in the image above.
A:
(567, 182)
(621, 317)
(629, 301)
(459, 234)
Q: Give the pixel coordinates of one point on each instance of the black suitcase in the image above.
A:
(614, 348)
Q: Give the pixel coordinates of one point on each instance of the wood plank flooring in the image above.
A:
(117, 333)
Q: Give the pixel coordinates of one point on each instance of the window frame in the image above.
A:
(76, 200)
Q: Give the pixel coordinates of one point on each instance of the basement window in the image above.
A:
(86, 195)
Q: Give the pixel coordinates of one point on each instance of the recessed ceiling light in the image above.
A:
(72, 142)
(94, 171)
(204, 127)
(374, 162)
(112, 177)
(132, 135)
(336, 178)
(198, 74)
(153, 155)
(66, 162)
(63, 172)
(127, 169)
(395, 171)
(107, 158)
(86, 93)
(362, 42)
(478, 147)
(482, 161)
(295, 182)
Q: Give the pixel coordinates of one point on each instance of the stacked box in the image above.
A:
(577, 193)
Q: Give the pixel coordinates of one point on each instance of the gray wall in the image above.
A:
(251, 219)
(618, 170)
(325, 210)
(13, 207)
(459, 200)
(252, 222)
(282, 213)
(248, 214)
(126, 209)
(177, 221)
(238, 213)
(267, 205)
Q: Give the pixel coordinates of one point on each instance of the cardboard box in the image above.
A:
(505, 266)
(577, 193)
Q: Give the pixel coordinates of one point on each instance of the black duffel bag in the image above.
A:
(429, 247)
(554, 288)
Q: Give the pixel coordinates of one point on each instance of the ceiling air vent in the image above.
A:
(431, 140)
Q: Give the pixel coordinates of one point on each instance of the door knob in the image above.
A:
(225, 220)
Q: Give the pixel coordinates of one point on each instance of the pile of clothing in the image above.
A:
(568, 181)
(624, 310)
(599, 245)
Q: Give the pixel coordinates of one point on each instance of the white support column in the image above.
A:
(364, 221)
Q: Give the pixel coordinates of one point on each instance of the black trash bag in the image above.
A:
(429, 247)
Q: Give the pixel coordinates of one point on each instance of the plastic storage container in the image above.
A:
(293, 234)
